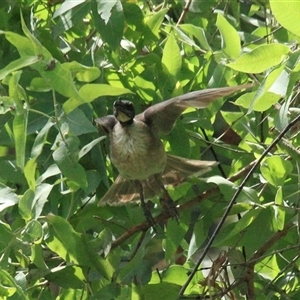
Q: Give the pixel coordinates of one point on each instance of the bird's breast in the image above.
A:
(136, 152)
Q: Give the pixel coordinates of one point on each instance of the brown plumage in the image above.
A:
(138, 153)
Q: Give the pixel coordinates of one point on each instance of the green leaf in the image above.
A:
(32, 203)
(9, 288)
(33, 232)
(7, 237)
(197, 239)
(82, 73)
(37, 256)
(241, 225)
(7, 197)
(259, 59)
(109, 21)
(279, 209)
(275, 170)
(29, 172)
(165, 290)
(84, 150)
(79, 123)
(198, 33)
(287, 13)
(18, 64)
(179, 140)
(66, 157)
(90, 92)
(69, 18)
(41, 139)
(66, 6)
(110, 291)
(67, 277)
(171, 58)
(153, 22)
(231, 43)
(262, 103)
(174, 235)
(52, 71)
(66, 242)
(20, 134)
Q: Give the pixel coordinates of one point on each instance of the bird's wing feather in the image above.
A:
(179, 169)
(106, 123)
(162, 116)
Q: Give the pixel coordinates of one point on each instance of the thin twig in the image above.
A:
(184, 11)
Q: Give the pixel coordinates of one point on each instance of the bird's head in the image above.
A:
(124, 111)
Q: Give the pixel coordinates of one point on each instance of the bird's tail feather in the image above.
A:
(177, 170)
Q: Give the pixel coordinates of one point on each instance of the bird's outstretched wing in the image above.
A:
(162, 116)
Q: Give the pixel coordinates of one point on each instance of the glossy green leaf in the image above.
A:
(171, 58)
(7, 197)
(259, 59)
(66, 6)
(275, 170)
(287, 14)
(231, 43)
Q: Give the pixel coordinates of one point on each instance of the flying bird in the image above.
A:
(145, 169)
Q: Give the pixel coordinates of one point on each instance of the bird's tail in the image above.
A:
(177, 170)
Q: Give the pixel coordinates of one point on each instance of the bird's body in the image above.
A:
(138, 153)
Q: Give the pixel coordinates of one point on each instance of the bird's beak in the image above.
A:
(123, 111)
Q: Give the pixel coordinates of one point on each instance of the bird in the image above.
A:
(136, 149)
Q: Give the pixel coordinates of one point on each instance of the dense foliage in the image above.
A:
(63, 63)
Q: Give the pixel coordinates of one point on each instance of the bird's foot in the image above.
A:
(169, 207)
(149, 219)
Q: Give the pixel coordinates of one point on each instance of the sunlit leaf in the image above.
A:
(287, 14)
(7, 197)
(171, 58)
(231, 43)
(259, 59)
(275, 170)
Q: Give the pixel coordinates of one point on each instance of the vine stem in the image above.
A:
(233, 200)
